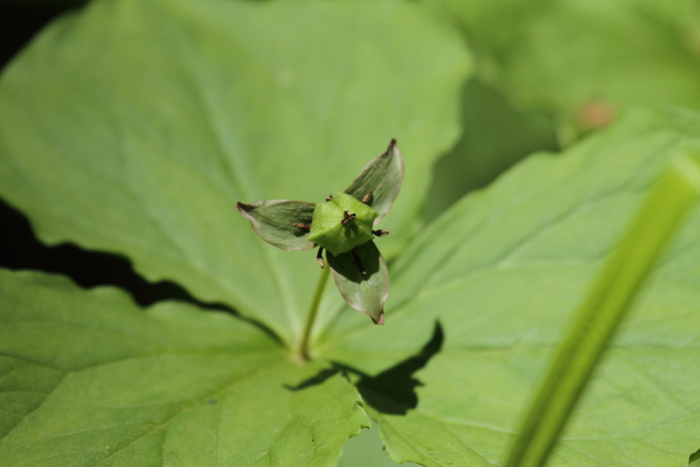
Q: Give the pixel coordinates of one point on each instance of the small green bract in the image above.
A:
(342, 225)
(336, 236)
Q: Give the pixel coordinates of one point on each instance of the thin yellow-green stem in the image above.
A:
(601, 312)
(311, 314)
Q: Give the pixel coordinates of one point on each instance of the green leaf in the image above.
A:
(273, 222)
(380, 181)
(586, 59)
(88, 378)
(367, 450)
(136, 126)
(364, 289)
(503, 270)
(604, 308)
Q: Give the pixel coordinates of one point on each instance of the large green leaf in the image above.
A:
(136, 126)
(583, 59)
(88, 378)
(503, 270)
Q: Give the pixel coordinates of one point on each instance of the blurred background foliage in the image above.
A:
(583, 60)
(547, 73)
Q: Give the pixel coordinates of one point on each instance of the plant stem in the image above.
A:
(600, 314)
(313, 309)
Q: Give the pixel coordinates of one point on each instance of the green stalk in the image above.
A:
(601, 312)
(313, 309)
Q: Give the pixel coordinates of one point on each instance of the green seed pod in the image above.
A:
(342, 223)
(342, 226)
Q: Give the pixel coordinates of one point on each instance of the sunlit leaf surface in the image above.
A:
(88, 378)
(502, 271)
(136, 126)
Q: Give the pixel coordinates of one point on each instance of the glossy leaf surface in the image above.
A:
(88, 378)
(502, 272)
(136, 126)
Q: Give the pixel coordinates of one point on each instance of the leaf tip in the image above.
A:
(380, 320)
(244, 208)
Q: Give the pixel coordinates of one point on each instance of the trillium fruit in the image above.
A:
(343, 225)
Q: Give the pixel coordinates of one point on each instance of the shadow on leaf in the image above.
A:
(348, 264)
(22, 250)
(693, 458)
(392, 391)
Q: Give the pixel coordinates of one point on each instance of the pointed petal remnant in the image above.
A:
(364, 292)
(347, 217)
(278, 222)
(380, 181)
(380, 320)
(319, 257)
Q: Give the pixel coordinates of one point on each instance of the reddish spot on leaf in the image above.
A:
(596, 114)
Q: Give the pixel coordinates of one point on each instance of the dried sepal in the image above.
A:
(364, 292)
(380, 181)
(319, 257)
(281, 222)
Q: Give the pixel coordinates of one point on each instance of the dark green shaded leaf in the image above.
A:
(495, 136)
(382, 177)
(273, 222)
(88, 378)
(364, 292)
(693, 458)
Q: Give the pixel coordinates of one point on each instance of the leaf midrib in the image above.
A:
(227, 161)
